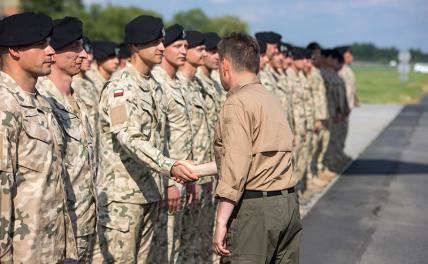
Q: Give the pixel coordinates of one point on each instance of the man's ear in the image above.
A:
(226, 65)
(14, 52)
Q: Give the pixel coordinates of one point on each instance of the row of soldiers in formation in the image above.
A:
(91, 152)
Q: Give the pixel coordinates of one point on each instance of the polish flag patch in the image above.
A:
(118, 92)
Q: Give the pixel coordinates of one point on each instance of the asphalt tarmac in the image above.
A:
(377, 211)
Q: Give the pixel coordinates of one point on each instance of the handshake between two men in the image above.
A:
(184, 171)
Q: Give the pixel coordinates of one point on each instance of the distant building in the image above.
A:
(9, 7)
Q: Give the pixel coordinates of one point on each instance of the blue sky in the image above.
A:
(386, 23)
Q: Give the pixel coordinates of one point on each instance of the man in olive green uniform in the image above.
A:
(178, 138)
(321, 115)
(336, 95)
(105, 56)
(34, 223)
(131, 118)
(201, 146)
(258, 217)
(74, 118)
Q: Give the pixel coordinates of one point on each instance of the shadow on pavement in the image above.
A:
(381, 167)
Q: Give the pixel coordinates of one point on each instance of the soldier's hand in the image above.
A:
(219, 242)
(181, 174)
(173, 199)
(190, 193)
(318, 126)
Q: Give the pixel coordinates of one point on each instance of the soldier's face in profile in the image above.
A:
(110, 65)
(36, 58)
(69, 59)
(277, 60)
(86, 63)
(211, 60)
(176, 53)
(299, 64)
(195, 56)
(263, 61)
(316, 57)
(152, 53)
(271, 50)
(348, 57)
(307, 66)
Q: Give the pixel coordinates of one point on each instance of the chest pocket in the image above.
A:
(150, 116)
(38, 141)
(178, 97)
(70, 123)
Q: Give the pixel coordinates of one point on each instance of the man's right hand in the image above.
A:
(173, 199)
(182, 174)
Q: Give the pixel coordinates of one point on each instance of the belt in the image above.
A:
(250, 194)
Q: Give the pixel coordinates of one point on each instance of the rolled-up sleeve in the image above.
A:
(236, 154)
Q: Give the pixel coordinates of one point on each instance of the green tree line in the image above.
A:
(108, 22)
(371, 53)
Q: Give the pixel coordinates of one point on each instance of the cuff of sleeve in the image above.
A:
(171, 182)
(225, 191)
(167, 165)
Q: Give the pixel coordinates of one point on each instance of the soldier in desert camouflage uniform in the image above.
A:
(105, 56)
(34, 224)
(178, 138)
(211, 92)
(73, 117)
(201, 142)
(130, 184)
(296, 87)
(321, 137)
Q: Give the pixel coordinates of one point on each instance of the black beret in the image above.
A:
(211, 40)
(335, 54)
(88, 45)
(269, 37)
(173, 33)
(65, 31)
(262, 46)
(124, 51)
(326, 52)
(300, 53)
(343, 49)
(144, 29)
(286, 49)
(313, 46)
(104, 50)
(194, 38)
(25, 29)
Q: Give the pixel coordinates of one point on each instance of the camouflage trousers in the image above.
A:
(205, 216)
(125, 232)
(322, 140)
(85, 247)
(168, 233)
(303, 157)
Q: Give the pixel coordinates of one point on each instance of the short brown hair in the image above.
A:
(242, 50)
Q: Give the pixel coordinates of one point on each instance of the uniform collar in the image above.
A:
(242, 83)
(54, 95)
(163, 75)
(24, 98)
